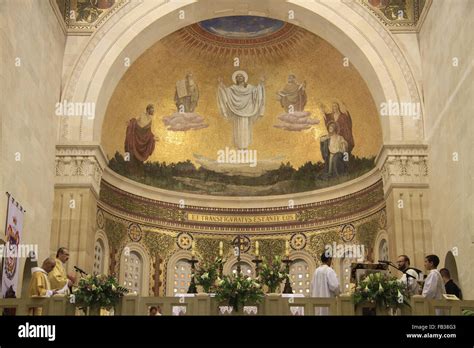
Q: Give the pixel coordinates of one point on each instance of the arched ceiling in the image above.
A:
(264, 47)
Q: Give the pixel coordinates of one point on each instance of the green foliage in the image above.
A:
(207, 275)
(238, 290)
(98, 291)
(273, 274)
(383, 290)
(309, 176)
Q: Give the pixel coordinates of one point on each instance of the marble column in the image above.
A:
(404, 170)
(78, 173)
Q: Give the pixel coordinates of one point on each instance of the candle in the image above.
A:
(256, 249)
(193, 251)
(287, 248)
(220, 248)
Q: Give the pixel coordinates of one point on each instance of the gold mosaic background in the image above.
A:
(152, 77)
(162, 243)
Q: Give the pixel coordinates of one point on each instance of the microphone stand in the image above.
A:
(77, 269)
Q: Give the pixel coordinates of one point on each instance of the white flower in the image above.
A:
(93, 287)
(113, 287)
(205, 275)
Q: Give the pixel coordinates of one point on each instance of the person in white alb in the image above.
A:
(434, 284)
(410, 280)
(324, 283)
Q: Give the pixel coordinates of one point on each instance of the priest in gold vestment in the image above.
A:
(58, 278)
(39, 283)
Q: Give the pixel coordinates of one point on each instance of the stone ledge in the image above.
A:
(403, 165)
(80, 165)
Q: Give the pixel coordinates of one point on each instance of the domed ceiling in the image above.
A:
(241, 106)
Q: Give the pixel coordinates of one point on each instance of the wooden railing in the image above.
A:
(203, 304)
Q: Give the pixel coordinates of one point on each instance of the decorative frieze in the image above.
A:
(300, 217)
(403, 165)
(79, 165)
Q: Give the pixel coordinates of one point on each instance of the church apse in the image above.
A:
(241, 106)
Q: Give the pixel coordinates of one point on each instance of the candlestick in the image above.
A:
(193, 247)
(287, 289)
(257, 262)
(192, 284)
(287, 248)
(257, 251)
(220, 248)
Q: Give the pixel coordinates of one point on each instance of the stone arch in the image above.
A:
(102, 237)
(30, 262)
(146, 263)
(305, 256)
(450, 264)
(381, 236)
(179, 255)
(226, 269)
(346, 25)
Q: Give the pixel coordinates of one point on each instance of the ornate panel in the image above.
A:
(252, 220)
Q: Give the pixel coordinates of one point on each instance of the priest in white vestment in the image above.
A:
(409, 277)
(243, 104)
(434, 284)
(324, 283)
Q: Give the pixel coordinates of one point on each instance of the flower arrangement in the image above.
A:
(99, 291)
(237, 290)
(207, 275)
(383, 290)
(273, 274)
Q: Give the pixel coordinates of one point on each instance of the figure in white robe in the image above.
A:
(243, 104)
(324, 284)
(434, 288)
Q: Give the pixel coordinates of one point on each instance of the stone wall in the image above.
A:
(31, 37)
(448, 90)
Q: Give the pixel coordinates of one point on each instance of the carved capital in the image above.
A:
(80, 166)
(403, 166)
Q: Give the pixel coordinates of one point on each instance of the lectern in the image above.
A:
(361, 270)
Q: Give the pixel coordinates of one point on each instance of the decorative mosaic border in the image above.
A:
(88, 28)
(169, 215)
(405, 25)
(164, 244)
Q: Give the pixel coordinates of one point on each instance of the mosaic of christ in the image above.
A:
(241, 106)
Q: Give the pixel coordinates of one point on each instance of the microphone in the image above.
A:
(77, 269)
(384, 261)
